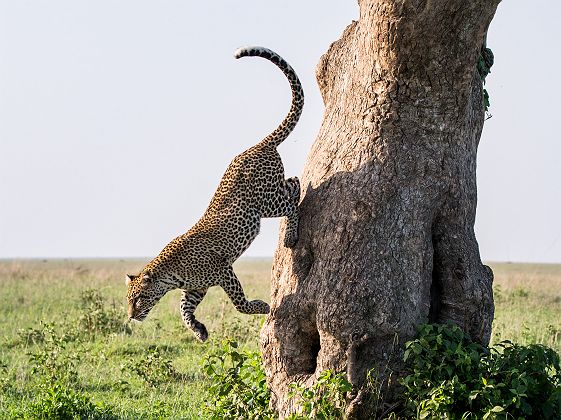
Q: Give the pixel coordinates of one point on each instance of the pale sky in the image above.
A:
(118, 118)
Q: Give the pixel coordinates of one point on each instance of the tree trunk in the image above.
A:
(389, 196)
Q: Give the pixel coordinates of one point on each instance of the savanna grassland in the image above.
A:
(68, 316)
(62, 322)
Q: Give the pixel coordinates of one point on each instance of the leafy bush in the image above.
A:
(50, 361)
(54, 369)
(30, 336)
(153, 368)
(452, 377)
(60, 402)
(238, 387)
(325, 400)
(97, 319)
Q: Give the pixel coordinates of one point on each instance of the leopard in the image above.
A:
(253, 187)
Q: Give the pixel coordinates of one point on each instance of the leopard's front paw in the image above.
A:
(200, 332)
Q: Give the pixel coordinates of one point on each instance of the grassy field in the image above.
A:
(66, 317)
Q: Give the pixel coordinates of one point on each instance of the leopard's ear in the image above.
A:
(146, 279)
(128, 279)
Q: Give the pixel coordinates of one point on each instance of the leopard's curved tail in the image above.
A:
(289, 122)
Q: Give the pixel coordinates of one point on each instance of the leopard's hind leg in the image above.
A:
(189, 302)
(231, 285)
(287, 205)
(292, 214)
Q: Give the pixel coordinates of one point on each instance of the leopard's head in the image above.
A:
(143, 293)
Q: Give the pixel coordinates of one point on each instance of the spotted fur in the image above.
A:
(253, 187)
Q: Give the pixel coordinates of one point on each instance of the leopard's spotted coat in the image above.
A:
(253, 187)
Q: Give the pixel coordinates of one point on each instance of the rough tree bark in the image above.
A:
(389, 196)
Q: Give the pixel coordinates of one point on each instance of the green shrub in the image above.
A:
(326, 399)
(238, 387)
(97, 318)
(55, 383)
(29, 336)
(452, 377)
(51, 361)
(60, 402)
(153, 368)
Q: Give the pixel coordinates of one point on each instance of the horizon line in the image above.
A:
(130, 258)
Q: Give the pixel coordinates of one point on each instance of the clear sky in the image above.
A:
(118, 118)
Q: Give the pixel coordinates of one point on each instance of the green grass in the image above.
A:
(37, 292)
(528, 304)
(109, 360)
